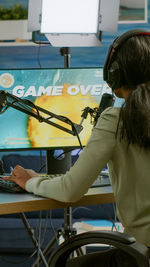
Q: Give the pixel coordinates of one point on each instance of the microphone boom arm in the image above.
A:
(29, 108)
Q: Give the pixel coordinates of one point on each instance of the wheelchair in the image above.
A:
(61, 255)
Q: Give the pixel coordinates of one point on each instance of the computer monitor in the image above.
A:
(63, 92)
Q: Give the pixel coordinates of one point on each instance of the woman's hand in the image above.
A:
(20, 176)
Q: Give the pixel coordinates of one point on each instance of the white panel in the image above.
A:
(109, 12)
(73, 40)
(14, 29)
(34, 13)
(69, 16)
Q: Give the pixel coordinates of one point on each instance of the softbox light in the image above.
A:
(68, 23)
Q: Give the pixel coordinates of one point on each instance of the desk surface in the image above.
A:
(24, 202)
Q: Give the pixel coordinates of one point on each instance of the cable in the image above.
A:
(30, 103)
(45, 227)
(26, 105)
(38, 56)
(77, 135)
(74, 128)
(39, 49)
(52, 226)
(39, 226)
(5, 108)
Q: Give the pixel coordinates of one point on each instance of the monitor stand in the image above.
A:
(58, 165)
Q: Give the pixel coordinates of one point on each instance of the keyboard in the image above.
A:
(12, 187)
(9, 186)
(102, 180)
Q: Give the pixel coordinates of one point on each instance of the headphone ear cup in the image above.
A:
(114, 76)
(112, 73)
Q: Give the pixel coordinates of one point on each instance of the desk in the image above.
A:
(25, 202)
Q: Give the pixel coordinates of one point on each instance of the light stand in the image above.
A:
(65, 51)
(49, 156)
(68, 231)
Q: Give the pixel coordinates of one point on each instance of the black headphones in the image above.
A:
(112, 73)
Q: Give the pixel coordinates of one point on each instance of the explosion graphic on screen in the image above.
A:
(70, 106)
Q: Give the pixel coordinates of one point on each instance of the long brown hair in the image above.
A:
(134, 59)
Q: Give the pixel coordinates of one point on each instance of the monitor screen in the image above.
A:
(63, 92)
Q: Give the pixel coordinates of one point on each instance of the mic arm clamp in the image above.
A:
(93, 113)
(29, 108)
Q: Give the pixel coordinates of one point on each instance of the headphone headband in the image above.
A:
(111, 72)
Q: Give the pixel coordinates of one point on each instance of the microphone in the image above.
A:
(107, 100)
(86, 110)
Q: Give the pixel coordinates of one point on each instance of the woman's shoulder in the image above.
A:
(109, 118)
(111, 112)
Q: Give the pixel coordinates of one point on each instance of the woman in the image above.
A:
(121, 139)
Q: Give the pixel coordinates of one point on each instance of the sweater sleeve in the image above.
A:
(71, 186)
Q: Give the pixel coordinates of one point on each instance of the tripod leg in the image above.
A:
(30, 232)
(66, 232)
(48, 248)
